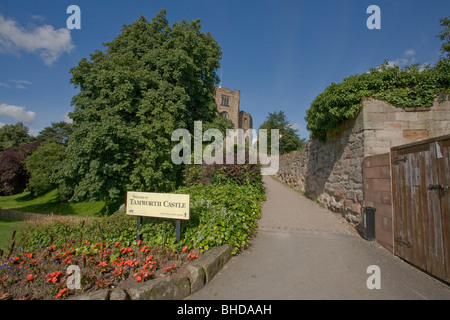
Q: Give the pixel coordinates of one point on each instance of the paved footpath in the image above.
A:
(303, 251)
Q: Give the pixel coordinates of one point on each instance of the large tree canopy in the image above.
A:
(14, 135)
(152, 79)
(58, 132)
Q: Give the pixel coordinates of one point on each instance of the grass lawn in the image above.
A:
(48, 203)
(6, 229)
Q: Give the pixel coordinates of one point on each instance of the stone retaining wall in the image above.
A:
(330, 172)
(333, 173)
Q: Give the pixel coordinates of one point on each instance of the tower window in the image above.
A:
(225, 115)
(225, 101)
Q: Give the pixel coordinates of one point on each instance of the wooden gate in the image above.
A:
(421, 200)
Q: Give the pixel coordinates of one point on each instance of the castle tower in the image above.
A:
(228, 106)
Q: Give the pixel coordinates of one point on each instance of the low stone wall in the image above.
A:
(186, 281)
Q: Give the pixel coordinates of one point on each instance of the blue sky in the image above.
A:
(279, 54)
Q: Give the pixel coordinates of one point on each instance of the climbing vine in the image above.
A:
(412, 86)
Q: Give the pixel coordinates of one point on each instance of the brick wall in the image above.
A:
(377, 194)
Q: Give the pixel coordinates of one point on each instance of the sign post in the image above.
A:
(138, 226)
(158, 205)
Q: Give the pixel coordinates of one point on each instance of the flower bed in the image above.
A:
(43, 274)
(36, 264)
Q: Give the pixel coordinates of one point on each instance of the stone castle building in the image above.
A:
(228, 103)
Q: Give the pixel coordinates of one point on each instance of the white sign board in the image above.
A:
(158, 205)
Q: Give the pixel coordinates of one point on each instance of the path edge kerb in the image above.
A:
(189, 279)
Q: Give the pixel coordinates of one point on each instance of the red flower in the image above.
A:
(185, 248)
(61, 293)
(30, 277)
(53, 277)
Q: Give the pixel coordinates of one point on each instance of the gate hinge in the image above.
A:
(401, 242)
(397, 160)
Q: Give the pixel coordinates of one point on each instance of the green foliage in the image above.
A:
(413, 86)
(152, 79)
(238, 174)
(219, 123)
(290, 140)
(59, 132)
(7, 228)
(444, 35)
(219, 214)
(42, 165)
(59, 231)
(50, 202)
(14, 135)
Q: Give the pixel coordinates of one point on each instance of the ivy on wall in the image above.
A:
(412, 86)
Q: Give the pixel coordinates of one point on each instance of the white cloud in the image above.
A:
(18, 113)
(35, 132)
(407, 59)
(410, 52)
(20, 84)
(47, 42)
(66, 118)
(38, 17)
(297, 126)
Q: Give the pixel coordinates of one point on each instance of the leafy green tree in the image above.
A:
(42, 165)
(220, 123)
(58, 132)
(14, 135)
(444, 35)
(152, 78)
(290, 140)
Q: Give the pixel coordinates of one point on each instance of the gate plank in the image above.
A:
(422, 215)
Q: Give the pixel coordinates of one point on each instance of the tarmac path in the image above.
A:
(303, 251)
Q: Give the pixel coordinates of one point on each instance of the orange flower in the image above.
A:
(185, 248)
(30, 277)
(61, 293)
